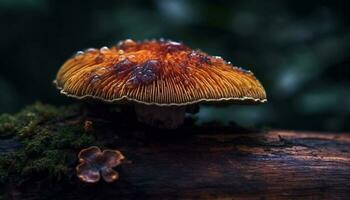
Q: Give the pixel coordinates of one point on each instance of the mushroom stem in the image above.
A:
(169, 117)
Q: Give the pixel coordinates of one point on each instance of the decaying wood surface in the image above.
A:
(270, 165)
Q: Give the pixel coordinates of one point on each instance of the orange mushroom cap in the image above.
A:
(156, 72)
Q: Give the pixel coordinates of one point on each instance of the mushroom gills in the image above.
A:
(168, 117)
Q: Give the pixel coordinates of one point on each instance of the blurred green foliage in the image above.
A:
(298, 49)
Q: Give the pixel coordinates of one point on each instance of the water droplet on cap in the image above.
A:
(171, 46)
(79, 54)
(104, 49)
(126, 43)
(129, 41)
(95, 78)
(174, 43)
(199, 57)
(243, 70)
(101, 71)
(121, 58)
(91, 50)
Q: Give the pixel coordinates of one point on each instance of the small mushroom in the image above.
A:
(88, 126)
(161, 78)
(94, 163)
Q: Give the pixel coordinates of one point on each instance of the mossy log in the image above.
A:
(193, 162)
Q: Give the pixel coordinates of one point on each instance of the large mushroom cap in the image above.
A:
(156, 72)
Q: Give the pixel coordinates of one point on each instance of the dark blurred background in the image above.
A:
(298, 49)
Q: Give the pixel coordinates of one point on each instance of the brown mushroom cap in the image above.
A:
(156, 72)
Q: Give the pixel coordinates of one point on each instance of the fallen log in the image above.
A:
(272, 165)
(214, 163)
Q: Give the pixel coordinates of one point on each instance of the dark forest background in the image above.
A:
(298, 49)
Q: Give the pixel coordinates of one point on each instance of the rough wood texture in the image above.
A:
(274, 165)
(270, 165)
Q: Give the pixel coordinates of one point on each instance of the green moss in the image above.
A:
(6, 125)
(5, 162)
(49, 138)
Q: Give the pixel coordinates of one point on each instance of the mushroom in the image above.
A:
(161, 78)
(93, 163)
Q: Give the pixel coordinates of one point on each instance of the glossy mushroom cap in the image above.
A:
(156, 72)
